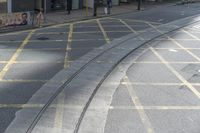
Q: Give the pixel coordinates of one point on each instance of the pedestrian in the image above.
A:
(108, 6)
(40, 18)
(69, 6)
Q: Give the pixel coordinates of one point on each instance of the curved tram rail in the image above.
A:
(39, 115)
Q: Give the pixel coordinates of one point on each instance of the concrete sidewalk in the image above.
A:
(61, 17)
(76, 15)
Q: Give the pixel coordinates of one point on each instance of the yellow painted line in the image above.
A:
(178, 44)
(21, 105)
(36, 41)
(46, 41)
(50, 33)
(54, 26)
(157, 62)
(11, 41)
(114, 26)
(193, 36)
(153, 84)
(58, 122)
(158, 84)
(88, 32)
(193, 89)
(34, 49)
(68, 48)
(142, 21)
(129, 27)
(141, 111)
(15, 55)
(177, 48)
(155, 107)
(103, 31)
(102, 107)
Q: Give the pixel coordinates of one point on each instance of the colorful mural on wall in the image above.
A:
(15, 19)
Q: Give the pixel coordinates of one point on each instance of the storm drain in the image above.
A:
(43, 38)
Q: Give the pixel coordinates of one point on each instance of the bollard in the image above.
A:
(139, 4)
(95, 8)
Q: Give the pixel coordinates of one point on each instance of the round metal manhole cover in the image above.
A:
(43, 38)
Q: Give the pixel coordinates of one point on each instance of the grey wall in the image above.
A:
(22, 5)
(3, 7)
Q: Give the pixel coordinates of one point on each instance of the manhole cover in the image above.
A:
(43, 38)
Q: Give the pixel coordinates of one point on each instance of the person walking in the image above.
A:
(69, 6)
(109, 5)
(40, 18)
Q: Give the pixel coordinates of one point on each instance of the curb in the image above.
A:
(75, 20)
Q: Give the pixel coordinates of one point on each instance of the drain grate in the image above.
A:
(43, 38)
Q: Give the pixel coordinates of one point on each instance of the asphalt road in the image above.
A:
(160, 92)
(29, 59)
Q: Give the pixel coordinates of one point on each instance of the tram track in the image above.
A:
(53, 97)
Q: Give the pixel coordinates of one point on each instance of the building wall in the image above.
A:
(22, 5)
(30, 5)
(90, 3)
(3, 6)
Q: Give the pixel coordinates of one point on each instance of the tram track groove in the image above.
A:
(52, 98)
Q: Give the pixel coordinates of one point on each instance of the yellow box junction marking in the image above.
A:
(136, 101)
(103, 31)
(193, 89)
(68, 48)
(175, 42)
(155, 107)
(130, 28)
(102, 107)
(193, 36)
(58, 122)
(15, 55)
